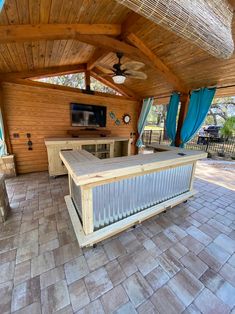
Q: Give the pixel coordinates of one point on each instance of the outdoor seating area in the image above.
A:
(181, 260)
(109, 202)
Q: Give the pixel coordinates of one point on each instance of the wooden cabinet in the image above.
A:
(106, 147)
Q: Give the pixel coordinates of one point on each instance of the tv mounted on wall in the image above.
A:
(88, 115)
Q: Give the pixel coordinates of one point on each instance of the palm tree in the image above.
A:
(228, 130)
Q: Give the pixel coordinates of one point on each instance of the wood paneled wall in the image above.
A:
(45, 112)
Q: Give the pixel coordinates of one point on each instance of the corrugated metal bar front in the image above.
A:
(117, 200)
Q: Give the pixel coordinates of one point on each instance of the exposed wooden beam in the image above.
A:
(184, 99)
(98, 55)
(126, 28)
(155, 62)
(64, 88)
(88, 80)
(110, 44)
(123, 90)
(15, 33)
(130, 23)
(44, 72)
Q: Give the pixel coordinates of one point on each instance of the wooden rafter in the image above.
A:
(64, 88)
(155, 62)
(129, 24)
(43, 72)
(16, 33)
(110, 44)
(126, 28)
(123, 90)
(98, 55)
(88, 79)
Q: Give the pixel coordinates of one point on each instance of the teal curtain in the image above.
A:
(147, 104)
(199, 105)
(1, 4)
(3, 148)
(172, 111)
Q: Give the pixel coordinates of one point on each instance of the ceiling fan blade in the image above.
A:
(106, 74)
(106, 66)
(132, 65)
(136, 74)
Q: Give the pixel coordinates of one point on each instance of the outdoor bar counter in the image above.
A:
(110, 195)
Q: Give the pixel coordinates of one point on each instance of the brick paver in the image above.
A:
(182, 261)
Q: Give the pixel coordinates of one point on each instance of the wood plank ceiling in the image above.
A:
(190, 64)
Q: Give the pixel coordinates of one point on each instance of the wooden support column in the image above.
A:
(88, 80)
(184, 99)
(5, 126)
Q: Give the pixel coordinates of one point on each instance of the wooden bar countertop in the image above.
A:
(94, 171)
(96, 140)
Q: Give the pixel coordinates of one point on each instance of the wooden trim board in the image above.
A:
(115, 228)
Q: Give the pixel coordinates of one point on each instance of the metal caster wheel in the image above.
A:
(94, 246)
(185, 201)
(164, 211)
(134, 226)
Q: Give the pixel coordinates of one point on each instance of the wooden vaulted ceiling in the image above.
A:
(182, 65)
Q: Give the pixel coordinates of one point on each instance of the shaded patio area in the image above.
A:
(182, 260)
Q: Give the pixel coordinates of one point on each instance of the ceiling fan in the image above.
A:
(128, 69)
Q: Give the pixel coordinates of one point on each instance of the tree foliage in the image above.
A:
(78, 81)
(220, 110)
(229, 127)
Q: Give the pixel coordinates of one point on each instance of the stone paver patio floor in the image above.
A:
(182, 261)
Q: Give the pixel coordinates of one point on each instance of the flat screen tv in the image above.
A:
(88, 115)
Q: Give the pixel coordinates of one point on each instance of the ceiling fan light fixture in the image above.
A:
(119, 79)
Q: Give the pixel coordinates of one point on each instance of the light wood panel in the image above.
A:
(44, 112)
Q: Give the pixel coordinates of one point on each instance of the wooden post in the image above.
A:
(87, 210)
(184, 99)
(88, 80)
(5, 126)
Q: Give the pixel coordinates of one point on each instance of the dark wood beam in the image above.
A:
(155, 62)
(88, 80)
(184, 99)
(44, 72)
(16, 33)
(121, 89)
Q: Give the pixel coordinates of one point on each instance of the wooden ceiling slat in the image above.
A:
(45, 9)
(23, 11)
(194, 66)
(157, 63)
